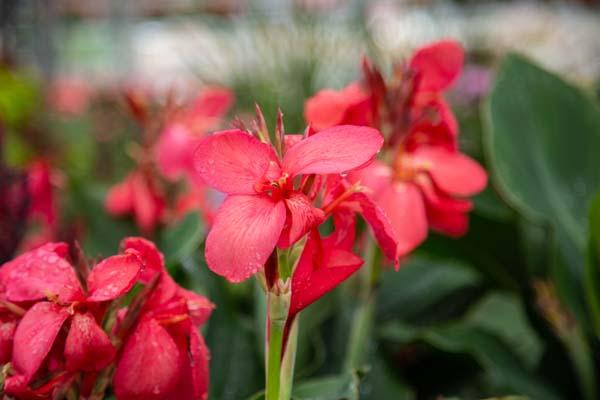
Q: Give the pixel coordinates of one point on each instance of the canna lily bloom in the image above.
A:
(424, 188)
(264, 207)
(45, 273)
(139, 195)
(164, 357)
(177, 142)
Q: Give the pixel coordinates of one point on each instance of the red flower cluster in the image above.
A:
(421, 180)
(62, 325)
(168, 158)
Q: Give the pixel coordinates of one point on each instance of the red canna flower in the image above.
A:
(139, 195)
(264, 207)
(45, 273)
(165, 356)
(175, 147)
(428, 182)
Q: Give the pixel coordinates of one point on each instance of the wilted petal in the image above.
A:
(35, 336)
(244, 234)
(332, 151)
(233, 161)
(87, 347)
(40, 273)
(113, 277)
(148, 367)
(301, 218)
(437, 65)
(452, 172)
(403, 205)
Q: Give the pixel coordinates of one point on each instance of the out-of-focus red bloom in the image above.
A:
(349, 106)
(69, 96)
(165, 356)
(175, 147)
(139, 195)
(45, 273)
(428, 181)
(264, 207)
(39, 182)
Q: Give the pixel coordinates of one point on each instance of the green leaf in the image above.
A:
(542, 141)
(334, 387)
(503, 314)
(182, 238)
(421, 283)
(502, 366)
(381, 383)
(592, 272)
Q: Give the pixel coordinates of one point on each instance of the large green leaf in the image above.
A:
(505, 370)
(542, 141)
(592, 276)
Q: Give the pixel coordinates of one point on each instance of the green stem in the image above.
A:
(289, 360)
(362, 321)
(278, 306)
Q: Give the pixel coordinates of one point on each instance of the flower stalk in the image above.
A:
(278, 304)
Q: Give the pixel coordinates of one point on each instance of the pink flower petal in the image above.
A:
(40, 273)
(35, 336)
(332, 151)
(148, 203)
(212, 103)
(320, 269)
(153, 259)
(403, 205)
(87, 347)
(148, 367)
(7, 332)
(380, 225)
(175, 151)
(453, 224)
(233, 161)
(113, 277)
(119, 200)
(199, 307)
(244, 234)
(375, 176)
(349, 106)
(452, 172)
(301, 218)
(437, 65)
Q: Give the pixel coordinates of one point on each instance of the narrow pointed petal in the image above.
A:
(233, 161)
(153, 259)
(437, 65)
(452, 172)
(113, 277)
(148, 367)
(87, 347)
(332, 151)
(35, 336)
(403, 205)
(244, 234)
(301, 218)
(40, 273)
